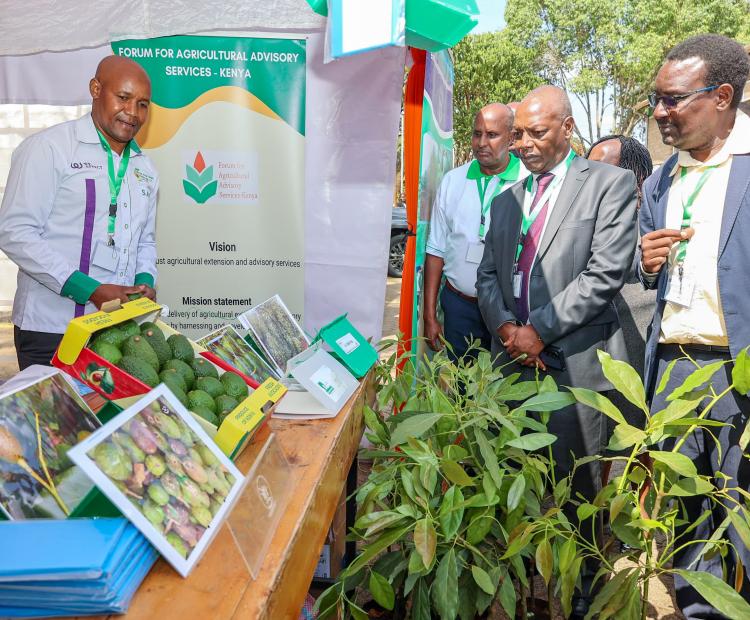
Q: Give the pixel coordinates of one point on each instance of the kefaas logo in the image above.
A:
(199, 184)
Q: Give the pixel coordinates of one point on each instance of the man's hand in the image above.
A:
(526, 340)
(148, 291)
(656, 245)
(506, 331)
(108, 292)
(433, 332)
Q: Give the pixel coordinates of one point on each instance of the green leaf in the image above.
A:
(327, 604)
(567, 586)
(445, 587)
(479, 527)
(375, 547)
(547, 401)
(665, 377)
(482, 579)
(717, 593)
(455, 453)
(624, 378)
(381, 590)
(373, 522)
(508, 596)
(741, 373)
(566, 555)
(612, 590)
(696, 379)
(518, 391)
(584, 511)
(375, 425)
(676, 462)
(456, 474)
(357, 612)
(515, 493)
(687, 487)
(413, 426)
(451, 512)
(532, 441)
(425, 541)
(544, 560)
(490, 458)
(598, 401)
(740, 524)
(625, 436)
(676, 409)
(420, 609)
(617, 505)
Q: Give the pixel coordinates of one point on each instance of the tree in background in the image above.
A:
(488, 68)
(605, 53)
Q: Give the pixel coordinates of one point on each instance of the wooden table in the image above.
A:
(320, 453)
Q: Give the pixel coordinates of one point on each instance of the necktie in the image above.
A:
(530, 245)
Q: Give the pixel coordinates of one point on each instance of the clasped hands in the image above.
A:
(520, 340)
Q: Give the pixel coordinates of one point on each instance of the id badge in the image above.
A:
(517, 283)
(474, 253)
(105, 256)
(679, 292)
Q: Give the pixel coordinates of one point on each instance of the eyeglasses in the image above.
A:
(672, 101)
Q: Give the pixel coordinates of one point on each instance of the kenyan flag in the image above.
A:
(199, 184)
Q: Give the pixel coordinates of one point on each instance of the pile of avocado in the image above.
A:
(143, 352)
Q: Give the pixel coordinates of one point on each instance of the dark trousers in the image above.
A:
(34, 347)
(709, 459)
(462, 323)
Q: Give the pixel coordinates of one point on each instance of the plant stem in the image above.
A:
(626, 471)
(51, 488)
(644, 600)
(21, 462)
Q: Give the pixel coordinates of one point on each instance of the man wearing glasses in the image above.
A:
(695, 222)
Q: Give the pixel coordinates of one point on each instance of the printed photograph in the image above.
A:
(39, 423)
(227, 344)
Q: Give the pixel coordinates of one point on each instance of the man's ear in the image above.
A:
(569, 124)
(725, 92)
(95, 88)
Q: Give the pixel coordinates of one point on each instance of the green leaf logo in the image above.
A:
(199, 184)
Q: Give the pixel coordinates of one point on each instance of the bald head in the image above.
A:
(543, 127)
(492, 136)
(120, 97)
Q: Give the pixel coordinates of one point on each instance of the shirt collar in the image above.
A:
(738, 143)
(560, 170)
(511, 172)
(85, 131)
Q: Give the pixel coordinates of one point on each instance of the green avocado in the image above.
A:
(206, 414)
(138, 346)
(204, 368)
(184, 369)
(234, 385)
(181, 348)
(139, 369)
(211, 386)
(172, 377)
(225, 405)
(158, 343)
(146, 325)
(112, 335)
(108, 351)
(199, 398)
(130, 328)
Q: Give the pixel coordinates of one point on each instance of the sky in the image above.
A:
(490, 15)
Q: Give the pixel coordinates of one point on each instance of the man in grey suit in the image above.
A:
(695, 221)
(559, 249)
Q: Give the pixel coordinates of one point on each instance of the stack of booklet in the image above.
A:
(70, 567)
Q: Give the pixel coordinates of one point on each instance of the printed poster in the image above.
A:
(226, 131)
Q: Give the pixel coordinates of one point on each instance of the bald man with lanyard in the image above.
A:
(460, 220)
(78, 214)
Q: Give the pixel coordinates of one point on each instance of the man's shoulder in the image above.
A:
(600, 169)
(458, 173)
(59, 137)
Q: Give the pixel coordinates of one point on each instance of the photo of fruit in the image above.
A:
(275, 330)
(227, 344)
(39, 423)
(158, 466)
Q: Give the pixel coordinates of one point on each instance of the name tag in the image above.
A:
(517, 283)
(105, 256)
(680, 290)
(474, 253)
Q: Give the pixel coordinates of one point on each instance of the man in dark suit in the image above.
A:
(559, 249)
(695, 221)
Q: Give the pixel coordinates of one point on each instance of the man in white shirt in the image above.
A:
(459, 222)
(695, 222)
(78, 214)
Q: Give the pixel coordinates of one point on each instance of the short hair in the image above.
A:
(633, 156)
(726, 60)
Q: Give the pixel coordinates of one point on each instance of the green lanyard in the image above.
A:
(687, 210)
(115, 183)
(482, 185)
(529, 219)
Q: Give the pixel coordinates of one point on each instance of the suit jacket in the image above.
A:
(734, 255)
(583, 260)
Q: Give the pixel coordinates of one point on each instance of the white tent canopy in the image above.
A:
(353, 110)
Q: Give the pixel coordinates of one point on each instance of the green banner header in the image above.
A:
(184, 67)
